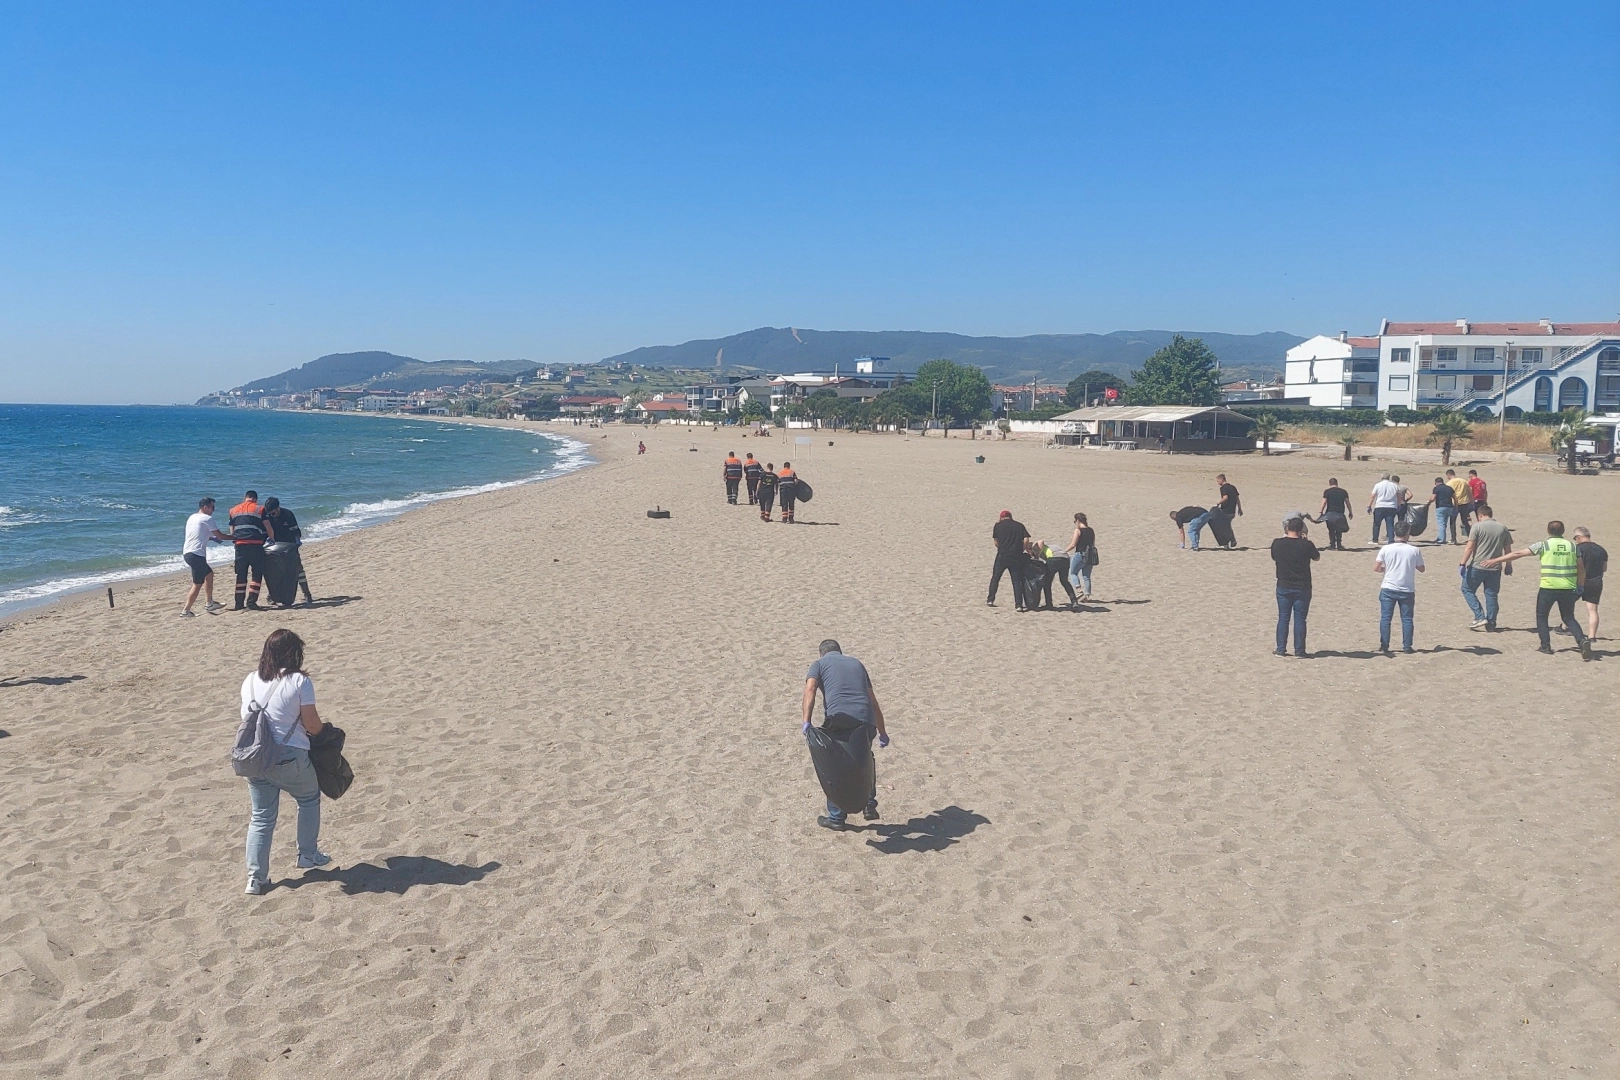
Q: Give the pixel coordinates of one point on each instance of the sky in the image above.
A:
(192, 196)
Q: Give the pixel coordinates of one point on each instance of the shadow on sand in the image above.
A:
(1370, 654)
(327, 601)
(43, 680)
(936, 832)
(400, 873)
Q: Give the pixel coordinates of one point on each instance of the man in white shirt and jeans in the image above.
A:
(200, 531)
(1400, 563)
(1385, 506)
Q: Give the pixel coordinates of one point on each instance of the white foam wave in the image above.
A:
(572, 456)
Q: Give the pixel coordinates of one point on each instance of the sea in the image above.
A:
(94, 495)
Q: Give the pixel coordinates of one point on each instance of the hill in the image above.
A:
(383, 369)
(1052, 357)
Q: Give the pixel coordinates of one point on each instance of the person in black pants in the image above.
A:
(787, 490)
(1009, 537)
(732, 472)
(765, 491)
(1040, 570)
(751, 471)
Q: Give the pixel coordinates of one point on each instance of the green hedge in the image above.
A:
(1322, 417)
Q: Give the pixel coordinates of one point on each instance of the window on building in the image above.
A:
(1400, 356)
(1445, 356)
(1400, 382)
(1484, 357)
(1530, 358)
(1425, 356)
(1445, 382)
(1484, 382)
(1609, 360)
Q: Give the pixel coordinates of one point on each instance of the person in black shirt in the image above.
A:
(1595, 561)
(765, 491)
(1335, 513)
(1293, 555)
(1190, 517)
(751, 471)
(1230, 505)
(1009, 537)
(1445, 510)
(282, 526)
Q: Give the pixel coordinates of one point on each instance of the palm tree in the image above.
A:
(1349, 440)
(1265, 429)
(1574, 426)
(1446, 429)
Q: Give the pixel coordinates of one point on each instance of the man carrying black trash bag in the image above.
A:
(841, 749)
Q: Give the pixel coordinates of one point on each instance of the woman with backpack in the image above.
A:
(280, 689)
(1082, 552)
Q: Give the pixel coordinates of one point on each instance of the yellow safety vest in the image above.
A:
(1558, 563)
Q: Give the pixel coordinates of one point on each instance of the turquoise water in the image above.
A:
(92, 495)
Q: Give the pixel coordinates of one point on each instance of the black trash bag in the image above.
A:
(332, 769)
(844, 765)
(1417, 518)
(281, 568)
(1220, 525)
(805, 491)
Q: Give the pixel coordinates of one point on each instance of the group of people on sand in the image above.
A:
(765, 485)
(1190, 521)
(1570, 569)
(1034, 564)
(250, 527)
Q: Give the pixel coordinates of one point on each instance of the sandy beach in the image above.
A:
(1120, 842)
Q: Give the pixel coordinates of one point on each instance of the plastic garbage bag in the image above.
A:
(844, 765)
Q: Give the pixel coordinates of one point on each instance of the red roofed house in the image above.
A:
(585, 404)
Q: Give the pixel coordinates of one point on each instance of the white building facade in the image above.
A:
(1526, 367)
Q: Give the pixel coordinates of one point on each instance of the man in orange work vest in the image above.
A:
(248, 534)
(732, 471)
(787, 490)
(751, 473)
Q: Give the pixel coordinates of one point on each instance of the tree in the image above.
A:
(1573, 426)
(1090, 384)
(963, 392)
(755, 409)
(1446, 429)
(1181, 373)
(1349, 440)
(1266, 428)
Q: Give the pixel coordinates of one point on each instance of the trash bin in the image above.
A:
(281, 569)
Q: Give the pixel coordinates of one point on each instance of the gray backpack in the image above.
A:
(256, 749)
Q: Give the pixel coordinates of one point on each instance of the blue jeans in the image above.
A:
(836, 816)
(296, 776)
(1472, 578)
(1384, 515)
(1295, 603)
(1388, 599)
(1444, 516)
(1195, 527)
(1079, 572)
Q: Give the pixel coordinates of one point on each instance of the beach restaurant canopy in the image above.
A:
(1186, 428)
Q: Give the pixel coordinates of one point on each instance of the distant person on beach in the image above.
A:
(1594, 561)
(1008, 536)
(641, 448)
(767, 491)
(1335, 513)
(283, 527)
(1190, 519)
(732, 472)
(1462, 519)
(787, 490)
(1562, 575)
(1041, 566)
(1384, 506)
(1489, 539)
(247, 533)
(281, 688)
(751, 471)
(1443, 499)
(849, 710)
(200, 532)
(1400, 563)
(1081, 550)
(1293, 555)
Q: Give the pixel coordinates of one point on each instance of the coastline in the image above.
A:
(573, 456)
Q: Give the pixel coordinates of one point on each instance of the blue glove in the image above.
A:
(806, 728)
(883, 740)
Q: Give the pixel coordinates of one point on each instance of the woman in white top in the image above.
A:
(282, 689)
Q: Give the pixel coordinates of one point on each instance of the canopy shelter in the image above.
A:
(1175, 428)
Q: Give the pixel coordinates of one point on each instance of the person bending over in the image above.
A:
(850, 710)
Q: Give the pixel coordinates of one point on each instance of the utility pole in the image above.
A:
(1501, 409)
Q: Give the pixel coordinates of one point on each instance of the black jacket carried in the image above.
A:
(331, 768)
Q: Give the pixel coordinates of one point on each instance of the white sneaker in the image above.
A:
(307, 862)
(187, 614)
(1477, 624)
(257, 886)
(215, 605)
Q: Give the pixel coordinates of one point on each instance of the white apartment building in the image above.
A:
(1541, 366)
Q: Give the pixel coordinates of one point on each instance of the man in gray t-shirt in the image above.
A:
(847, 702)
(1488, 539)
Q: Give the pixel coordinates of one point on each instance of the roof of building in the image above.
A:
(1153, 414)
(663, 406)
(1362, 342)
(1463, 327)
(589, 399)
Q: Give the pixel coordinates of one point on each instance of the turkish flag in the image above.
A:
(1111, 393)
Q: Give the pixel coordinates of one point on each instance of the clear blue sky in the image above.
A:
(193, 195)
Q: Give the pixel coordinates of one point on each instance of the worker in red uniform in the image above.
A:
(248, 534)
(751, 471)
(787, 490)
(732, 471)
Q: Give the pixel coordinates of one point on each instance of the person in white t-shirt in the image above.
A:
(1400, 562)
(200, 532)
(281, 688)
(1385, 506)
